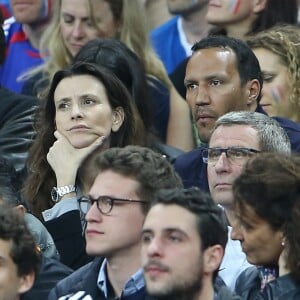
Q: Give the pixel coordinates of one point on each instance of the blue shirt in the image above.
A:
(134, 284)
(165, 40)
(20, 58)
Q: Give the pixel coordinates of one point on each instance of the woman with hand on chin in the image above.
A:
(76, 22)
(87, 109)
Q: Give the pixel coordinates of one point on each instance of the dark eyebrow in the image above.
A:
(146, 230)
(176, 230)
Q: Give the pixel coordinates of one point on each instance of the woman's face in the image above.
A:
(223, 12)
(83, 111)
(241, 13)
(76, 25)
(275, 91)
(259, 241)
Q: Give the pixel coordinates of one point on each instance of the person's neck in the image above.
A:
(239, 30)
(195, 25)
(230, 214)
(34, 33)
(122, 266)
(207, 291)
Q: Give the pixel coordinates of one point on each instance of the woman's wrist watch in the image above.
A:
(58, 192)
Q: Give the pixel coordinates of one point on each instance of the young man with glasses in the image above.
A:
(236, 137)
(126, 180)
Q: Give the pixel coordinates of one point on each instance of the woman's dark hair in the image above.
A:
(120, 60)
(42, 178)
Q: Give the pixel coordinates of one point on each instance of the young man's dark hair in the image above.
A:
(184, 224)
(24, 251)
(211, 223)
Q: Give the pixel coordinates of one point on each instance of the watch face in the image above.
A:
(54, 194)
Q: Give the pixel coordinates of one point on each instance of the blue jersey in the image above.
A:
(166, 43)
(20, 58)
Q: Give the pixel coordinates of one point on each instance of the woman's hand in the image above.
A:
(65, 160)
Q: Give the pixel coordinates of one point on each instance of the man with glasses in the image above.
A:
(236, 137)
(222, 75)
(126, 180)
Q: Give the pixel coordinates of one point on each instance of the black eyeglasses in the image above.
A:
(236, 155)
(105, 204)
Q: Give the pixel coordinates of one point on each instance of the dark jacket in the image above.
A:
(193, 171)
(85, 279)
(51, 271)
(248, 284)
(283, 288)
(16, 127)
(67, 234)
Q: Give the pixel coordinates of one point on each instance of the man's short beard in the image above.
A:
(187, 291)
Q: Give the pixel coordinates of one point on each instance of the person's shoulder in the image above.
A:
(288, 124)
(17, 99)
(248, 283)
(225, 293)
(77, 280)
(284, 287)
(189, 157)
(293, 131)
(164, 28)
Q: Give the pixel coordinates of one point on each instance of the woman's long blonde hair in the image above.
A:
(133, 33)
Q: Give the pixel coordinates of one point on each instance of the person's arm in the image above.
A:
(180, 132)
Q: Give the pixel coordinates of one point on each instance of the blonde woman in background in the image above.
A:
(278, 52)
(75, 22)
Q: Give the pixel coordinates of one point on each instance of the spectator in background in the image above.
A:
(20, 257)
(114, 55)
(239, 19)
(222, 75)
(237, 136)
(183, 243)
(124, 183)
(278, 52)
(23, 34)
(51, 269)
(266, 202)
(87, 110)
(173, 40)
(76, 23)
(16, 122)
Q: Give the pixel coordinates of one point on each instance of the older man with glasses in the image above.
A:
(236, 137)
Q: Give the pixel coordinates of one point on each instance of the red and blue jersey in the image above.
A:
(20, 58)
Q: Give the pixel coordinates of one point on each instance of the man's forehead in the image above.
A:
(235, 135)
(220, 52)
(211, 60)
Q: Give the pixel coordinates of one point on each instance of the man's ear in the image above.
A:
(253, 90)
(26, 282)
(259, 5)
(118, 118)
(212, 258)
